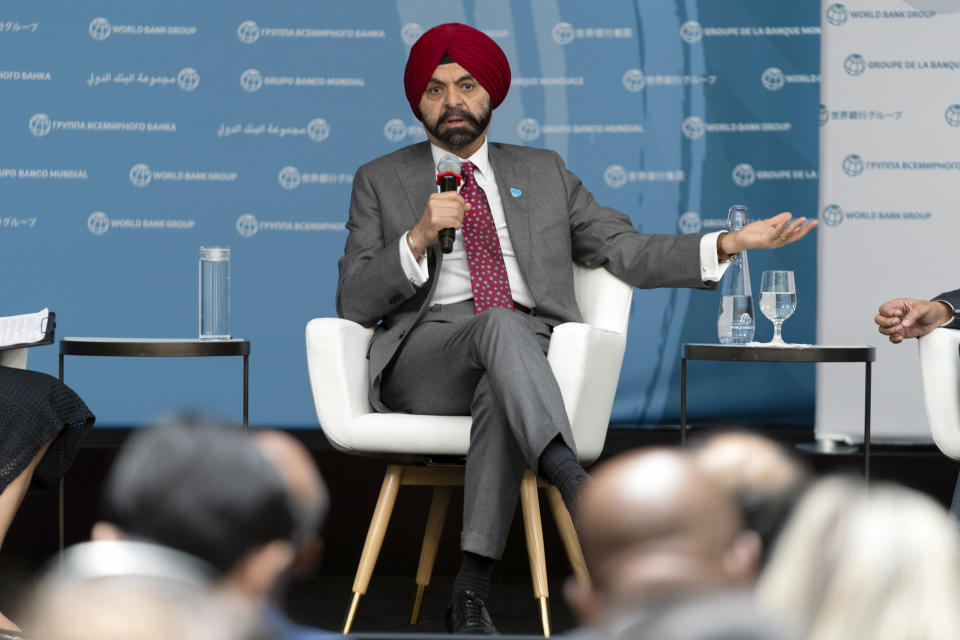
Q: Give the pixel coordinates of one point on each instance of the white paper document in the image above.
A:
(23, 329)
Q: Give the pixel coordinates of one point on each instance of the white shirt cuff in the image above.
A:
(415, 270)
(711, 269)
(953, 311)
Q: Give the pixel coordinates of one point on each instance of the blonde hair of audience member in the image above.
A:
(119, 590)
(125, 609)
(654, 527)
(883, 565)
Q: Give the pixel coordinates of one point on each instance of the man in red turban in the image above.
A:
(467, 331)
(459, 44)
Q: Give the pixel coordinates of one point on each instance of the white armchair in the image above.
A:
(940, 374)
(586, 359)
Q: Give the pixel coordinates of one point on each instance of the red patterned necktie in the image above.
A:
(488, 273)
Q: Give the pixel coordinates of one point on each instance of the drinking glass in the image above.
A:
(214, 293)
(778, 300)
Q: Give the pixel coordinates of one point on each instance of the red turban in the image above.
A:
(471, 48)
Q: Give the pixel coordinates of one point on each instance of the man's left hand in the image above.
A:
(771, 233)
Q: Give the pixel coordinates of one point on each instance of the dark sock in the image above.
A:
(559, 465)
(474, 575)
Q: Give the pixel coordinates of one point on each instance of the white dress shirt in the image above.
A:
(454, 283)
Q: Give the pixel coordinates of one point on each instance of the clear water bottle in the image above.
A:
(735, 322)
(214, 293)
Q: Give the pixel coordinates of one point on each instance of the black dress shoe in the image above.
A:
(467, 613)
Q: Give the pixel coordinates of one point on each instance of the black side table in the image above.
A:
(157, 348)
(162, 348)
(816, 353)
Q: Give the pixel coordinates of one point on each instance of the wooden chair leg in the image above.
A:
(375, 534)
(571, 542)
(530, 503)
(431, 543)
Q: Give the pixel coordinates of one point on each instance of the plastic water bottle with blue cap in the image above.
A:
(735, 322)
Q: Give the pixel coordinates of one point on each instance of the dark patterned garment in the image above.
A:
(34, 409)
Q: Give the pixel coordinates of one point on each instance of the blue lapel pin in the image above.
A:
(515, 192)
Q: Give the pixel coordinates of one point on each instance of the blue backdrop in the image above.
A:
(133, 133)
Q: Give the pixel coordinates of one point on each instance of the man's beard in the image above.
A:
(463, 136)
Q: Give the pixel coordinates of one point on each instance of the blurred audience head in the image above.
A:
(305, 489)
(879, 565)
(655, 528)
(208, 490)
(716, 616)
(123, 590)
(764, 479)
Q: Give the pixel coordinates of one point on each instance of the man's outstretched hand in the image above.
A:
(770, 233)
(910, 318)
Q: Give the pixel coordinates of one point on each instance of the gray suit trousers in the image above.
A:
(492, 366)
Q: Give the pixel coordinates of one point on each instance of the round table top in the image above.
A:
(154, 347)
(764, 353)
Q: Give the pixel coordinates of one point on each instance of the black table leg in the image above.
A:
(60, 521)
(246, 391)
(683, 402)
(866, 426)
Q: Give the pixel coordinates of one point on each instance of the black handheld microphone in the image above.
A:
(448, 177)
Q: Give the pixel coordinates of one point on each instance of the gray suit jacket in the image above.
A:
(552, 223)
(953, 297)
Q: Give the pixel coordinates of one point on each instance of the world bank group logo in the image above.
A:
(318, 130)
(140, 175)
(691, 32)
(248, 32)
(952, 115)
(689, 222)
(772, 79)
(854, 64)
(39, 124)
(633, 80)
(99, 28)
(289, 178)
(395, 130)
(410, 33)
(693, 127)
(562, 33)
(824, 115)
(615, 176)
(528, 129)
(744, 175)
(837, 14)
(251, 80)
(188, 79)
(98, 223)
(853, 165)
(832, 215)
(247, 225)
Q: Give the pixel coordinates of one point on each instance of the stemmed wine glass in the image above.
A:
(778, 300)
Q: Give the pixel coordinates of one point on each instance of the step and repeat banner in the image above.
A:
(890, 165)
(132, 134)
